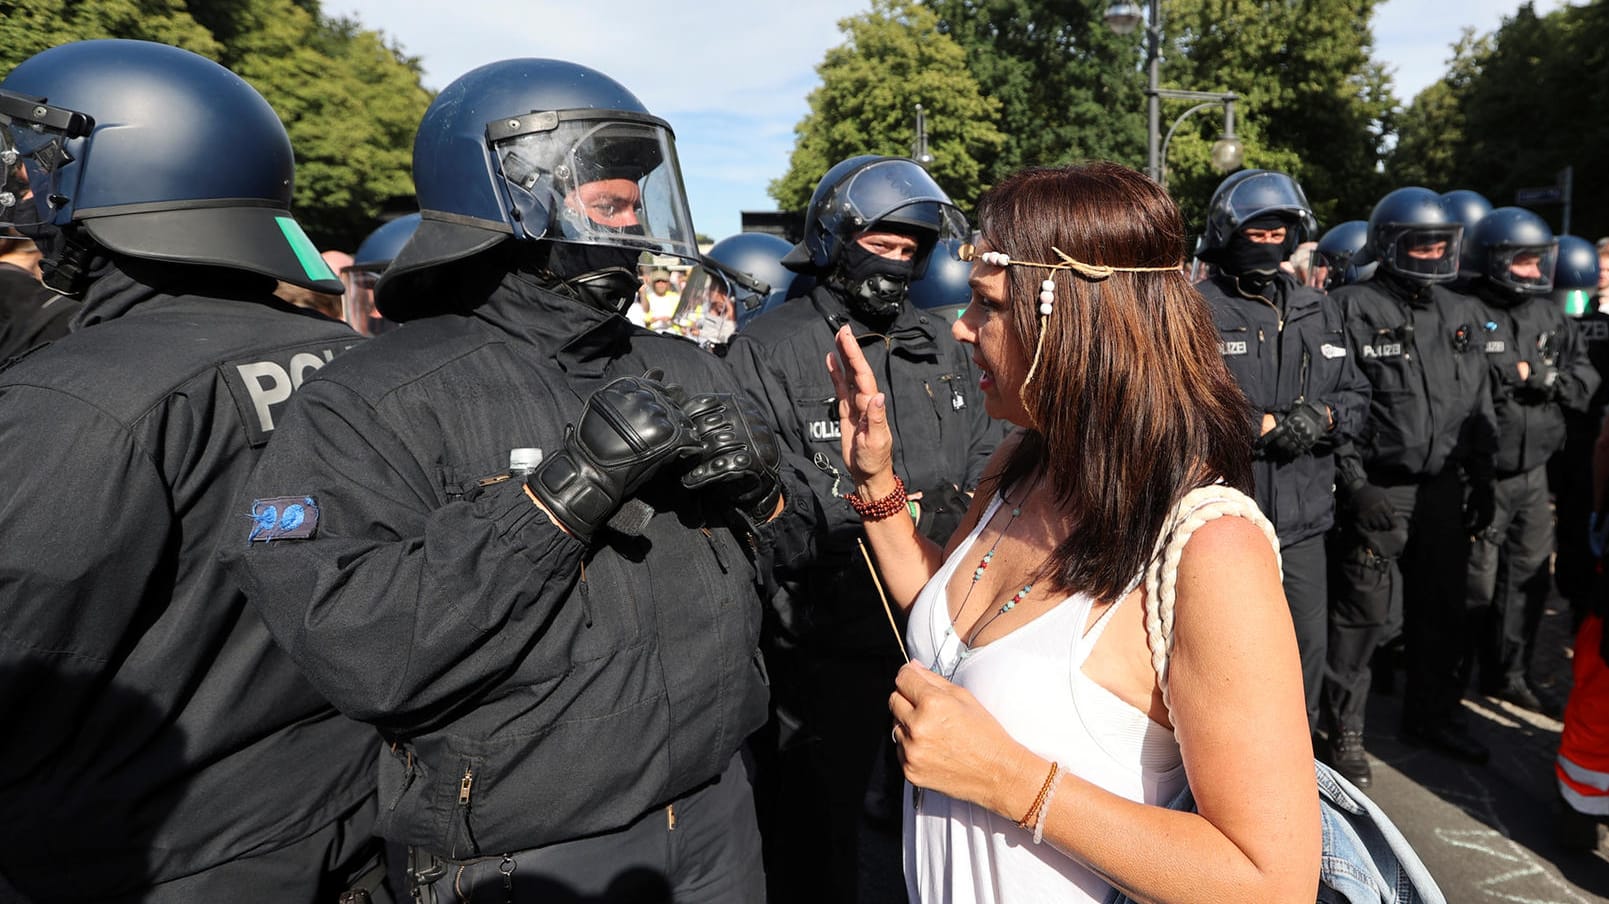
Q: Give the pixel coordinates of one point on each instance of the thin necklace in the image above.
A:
(977, 576)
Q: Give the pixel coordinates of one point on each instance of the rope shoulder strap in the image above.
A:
(1199, 506)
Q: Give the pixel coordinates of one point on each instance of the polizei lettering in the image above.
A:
(824, 430)
(262, 387)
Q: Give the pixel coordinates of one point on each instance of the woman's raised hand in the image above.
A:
(868, 446)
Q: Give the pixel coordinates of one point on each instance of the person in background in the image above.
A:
(870, 230)
(375, 253)
(1539, 370)
(526, 555)
(172, 751)
(1031, 715)
(734, 281)
(1287, 350)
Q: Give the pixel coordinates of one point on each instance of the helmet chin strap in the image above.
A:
(69, 259)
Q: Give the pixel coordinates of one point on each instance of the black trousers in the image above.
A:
(1508, 577)
(1307, 594)
(1427, 563)
(703, 849)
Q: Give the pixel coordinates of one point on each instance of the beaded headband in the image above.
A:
(1047, 290)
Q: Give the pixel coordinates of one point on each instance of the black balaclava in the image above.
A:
(1255, 264)
(604, 276)
(873, 286)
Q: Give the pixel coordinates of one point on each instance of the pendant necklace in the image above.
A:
(977, 576)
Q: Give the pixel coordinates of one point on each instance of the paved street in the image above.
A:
(1486, 832)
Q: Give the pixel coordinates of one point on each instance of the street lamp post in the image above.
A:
(1123, 17)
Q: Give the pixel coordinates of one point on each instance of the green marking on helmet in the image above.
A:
(306, 254)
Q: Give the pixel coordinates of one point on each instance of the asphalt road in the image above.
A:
(1486, 832)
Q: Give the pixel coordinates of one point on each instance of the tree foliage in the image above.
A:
(1525, 102)
(349, 102)
(894, 58)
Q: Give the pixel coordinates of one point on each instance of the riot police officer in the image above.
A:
(375, 253)
(162, 747)
(1575, 281)
(1539, 369)
(870, 228)
(1405, 525)
(1287, 349)
(1335, 257)
(738, 278)
(562, 654)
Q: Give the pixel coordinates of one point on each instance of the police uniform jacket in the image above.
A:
(154, 729)
(1531, 428)
(1430, 400)
(1280, 355)
(942, 437)
(531, 689)
(30, 314)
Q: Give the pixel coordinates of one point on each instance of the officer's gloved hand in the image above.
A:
(1294, 434)
(1480, 504)
(1371, 507)
(628, 430)
(1540, 387)
(739, 455)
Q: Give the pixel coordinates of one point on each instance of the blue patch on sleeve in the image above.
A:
(283, 518)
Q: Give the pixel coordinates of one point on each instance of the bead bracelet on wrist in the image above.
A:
(878, 509)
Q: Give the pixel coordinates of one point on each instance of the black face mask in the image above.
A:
(1246, 258)
(874, 286)
(604, 276)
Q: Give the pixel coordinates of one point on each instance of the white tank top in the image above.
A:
(1032, 681)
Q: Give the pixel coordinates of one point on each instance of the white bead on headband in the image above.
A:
(1047, 289)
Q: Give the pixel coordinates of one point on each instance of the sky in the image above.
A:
(732, 76)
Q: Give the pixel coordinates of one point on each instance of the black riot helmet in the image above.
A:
(1412, 236)
(1575, 275)
(152, 152)
(1333, 256)
(1256, 195)
(1515, 249)
(549, 152)
(944, 288)
(865, 192)
(374, 255)
(1466, 207)
(743, 271)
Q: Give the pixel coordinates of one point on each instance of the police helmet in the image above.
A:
(1467, 207)
(1412, 235)
(869, 191)
(1575, 275)
(1333, 255)
(373, 256)
(539, 150)
(744, 271)
(1515, 249)
(944, 289)
(156, 153)
(1248, 195)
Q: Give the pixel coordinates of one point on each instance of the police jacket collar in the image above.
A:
(1406, 290)
(123, 283)
(578, 337)
(911, 330)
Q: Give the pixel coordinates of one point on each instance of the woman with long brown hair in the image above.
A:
(1039, 746)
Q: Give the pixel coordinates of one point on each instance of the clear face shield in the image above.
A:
(1527, 269)
(357, 302)
(35, 147)
(715, 293)
(1425, 253)
(1260, 194)
(899, 195)
(594, 177)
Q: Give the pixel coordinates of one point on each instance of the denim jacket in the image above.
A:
(1365, 859)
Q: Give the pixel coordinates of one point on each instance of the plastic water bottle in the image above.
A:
(522, 462)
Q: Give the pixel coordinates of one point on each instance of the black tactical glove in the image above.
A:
(1480, 504)
(1540, 387)
(1293, 435)
(1371, 507)
(628, 430)
(740, 456)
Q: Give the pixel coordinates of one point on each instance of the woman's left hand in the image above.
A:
(948, 742)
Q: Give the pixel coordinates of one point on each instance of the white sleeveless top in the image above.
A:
(1032, 681)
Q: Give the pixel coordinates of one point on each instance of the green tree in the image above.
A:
(1069, 89)
(895, 58)
(1314, 103)
(1432, 129)
(349, 102)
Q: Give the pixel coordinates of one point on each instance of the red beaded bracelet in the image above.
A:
(878, 509)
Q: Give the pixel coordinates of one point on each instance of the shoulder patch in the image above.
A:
(283, 518)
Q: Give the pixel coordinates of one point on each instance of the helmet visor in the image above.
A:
(1263, 194)
(1424, 253)
(713, 290)
(34, 142)
(595, 177)
(357, 302)
(894, 193)
(1527, 269)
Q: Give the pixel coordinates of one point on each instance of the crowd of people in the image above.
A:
(486, 564)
